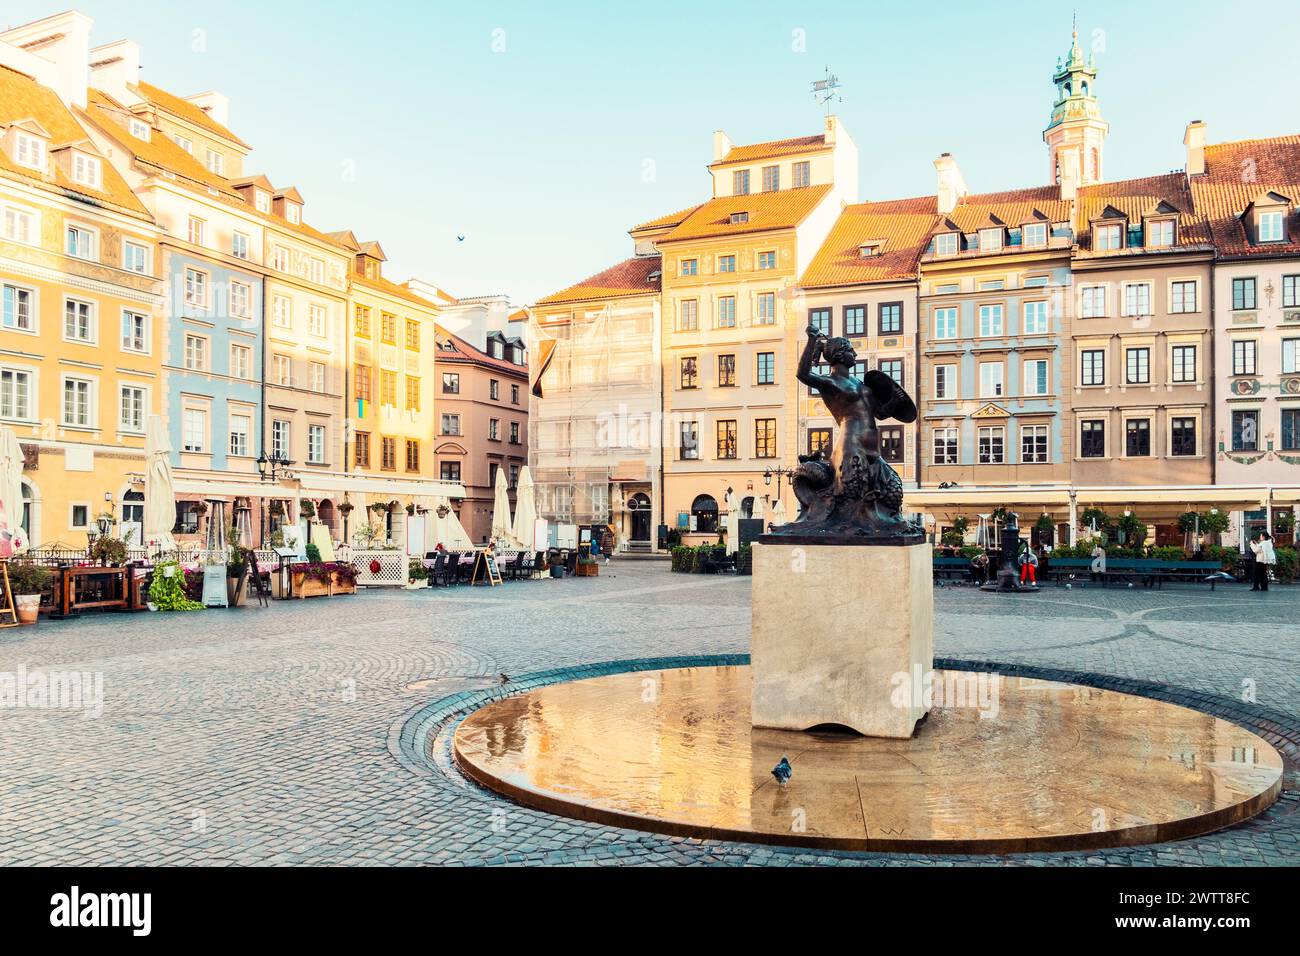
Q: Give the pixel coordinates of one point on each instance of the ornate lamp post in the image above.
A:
(779, 473)
(271, 469)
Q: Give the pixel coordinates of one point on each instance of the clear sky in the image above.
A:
(541, 131)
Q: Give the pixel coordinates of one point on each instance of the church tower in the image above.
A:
(1076, 134)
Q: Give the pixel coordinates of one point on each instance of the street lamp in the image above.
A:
(271, 469)
(779, 473)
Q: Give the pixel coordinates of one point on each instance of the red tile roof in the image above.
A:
(462, 353)
(635, 276)
(782, 209)
(1011, 208)
(1236, 174)
(1136, 199)
(772, 149)
(903, 226)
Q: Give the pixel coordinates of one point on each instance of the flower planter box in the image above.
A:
(307, 585)
(588, 570)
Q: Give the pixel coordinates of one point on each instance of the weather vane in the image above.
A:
(824, 91)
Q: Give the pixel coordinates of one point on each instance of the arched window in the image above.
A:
(747, 507)
(31, 517)
(705, 511)
(1085, 87)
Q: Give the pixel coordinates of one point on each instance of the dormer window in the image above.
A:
(184, 143)
(869, 249)
(1034, 234)
(293, 213)
(216, 162)
(990, 240)
(29, 151)
(262, 201)
(1160, 233)
(87, 170)
(946, 244)
(140, 130)
(1270, 226)
(739, 217)
(1108, 236)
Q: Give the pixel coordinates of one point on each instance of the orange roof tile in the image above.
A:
(635, 276)
(782, 209)
(163, 155)
(392, 288)
(1010, 208)
(902, 225)
(22, 98)
(1236, 174)
(672, 219)
(1136, 199)
(772, 149)
(185, 110)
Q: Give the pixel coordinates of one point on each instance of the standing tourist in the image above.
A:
(1265, 558)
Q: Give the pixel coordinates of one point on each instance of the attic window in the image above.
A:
(946, 244)
(1160, 233)
(990, 240)
(654, 276)
(262, 200)
(869, 249)
(292, 213)
(1108, 236)
(140, 130)
(87, 170)
(1034, 234)
(29, 151)
(1270, 227)
(739, 217)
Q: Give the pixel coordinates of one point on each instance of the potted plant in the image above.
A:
(277, 508)
(109, 552)
(307, 508)
(323, 579)
(28, 581)
(588, 567)
(346, 508)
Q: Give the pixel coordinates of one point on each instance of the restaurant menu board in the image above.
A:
(214, 586)
(485, 569)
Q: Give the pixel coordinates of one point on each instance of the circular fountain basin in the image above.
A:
(1001, 764)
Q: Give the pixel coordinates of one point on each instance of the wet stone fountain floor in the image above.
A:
(320, 732)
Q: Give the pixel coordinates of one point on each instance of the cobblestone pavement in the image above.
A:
(285, 735)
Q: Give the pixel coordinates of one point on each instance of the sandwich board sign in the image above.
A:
(485, 569)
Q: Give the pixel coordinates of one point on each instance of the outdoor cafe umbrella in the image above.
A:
(733, 522)
(11, 489)
(159, 497)
(758, 511)
(447, 530)
(501, 511)
(778, 514)
(525, 508)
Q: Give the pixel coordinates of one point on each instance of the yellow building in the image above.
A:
(390, 393)
(81, 338)
(733, 322)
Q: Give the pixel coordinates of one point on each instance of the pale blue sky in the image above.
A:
(536, 152)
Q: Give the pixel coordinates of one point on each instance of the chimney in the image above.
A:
(54, 52)
(215, 104)
(721, 144)
(832, 127)
(114, 66)
(1194, 141)
(952, 188)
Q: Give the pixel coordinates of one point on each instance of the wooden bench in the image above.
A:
(952, 568)
(1153, 571)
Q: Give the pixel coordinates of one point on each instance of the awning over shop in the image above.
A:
(937, 499)
(316, 485)
(213, 487)
(1221, 496)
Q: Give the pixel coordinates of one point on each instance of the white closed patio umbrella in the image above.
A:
(11, 488)
(501, 511)
(778, 514)
(448, 531)
(159, 496)
(733, 522)
(525, 510)
(760, 507)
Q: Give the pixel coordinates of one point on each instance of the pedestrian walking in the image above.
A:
(607, 542)
(1265, 558)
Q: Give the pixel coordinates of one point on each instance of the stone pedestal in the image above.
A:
(833, 627)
